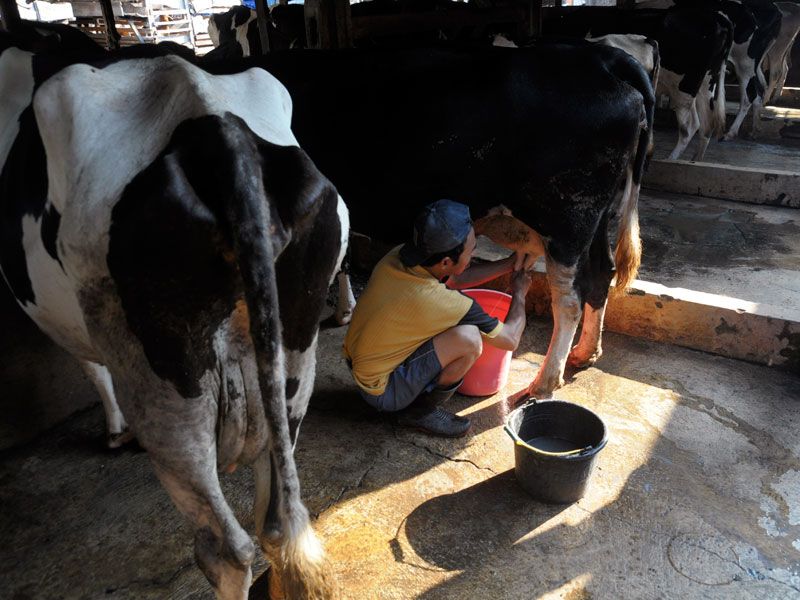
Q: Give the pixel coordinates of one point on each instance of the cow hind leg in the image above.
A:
(566, 314)
(223, 550)
(746, 97)
(117, 433)
(705, 112)
(688, 123)
(594, 280)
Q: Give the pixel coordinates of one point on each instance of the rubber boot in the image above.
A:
(427, 414)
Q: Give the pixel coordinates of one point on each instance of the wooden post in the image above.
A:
(328, 23)
(10, 13)
(344, 24)
(112, 35)
(534, 18)
(263, 32)
(312, 11)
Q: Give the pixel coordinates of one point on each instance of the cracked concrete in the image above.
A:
(697, 494)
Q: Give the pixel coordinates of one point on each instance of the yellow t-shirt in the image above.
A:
(400, 309)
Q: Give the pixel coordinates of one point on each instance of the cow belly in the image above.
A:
(55, 308)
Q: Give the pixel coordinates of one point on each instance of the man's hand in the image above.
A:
(523, 260)
(521, 282)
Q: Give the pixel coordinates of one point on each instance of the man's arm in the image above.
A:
(511, 333)
(477, 274)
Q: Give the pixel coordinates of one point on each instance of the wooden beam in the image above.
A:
(534, 18)
(344, 24)
(263, 31)
(316, 32)
(112, 35)
(10, 14)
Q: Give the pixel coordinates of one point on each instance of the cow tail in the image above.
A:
(656, 62)
(718, 128)
(628, 254)
(257, 241)
(719, 104)
(719, 117)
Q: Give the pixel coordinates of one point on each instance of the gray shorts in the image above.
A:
(415, 375)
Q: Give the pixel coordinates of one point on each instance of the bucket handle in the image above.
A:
(519, 442)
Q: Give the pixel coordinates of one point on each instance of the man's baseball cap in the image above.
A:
(440, 227)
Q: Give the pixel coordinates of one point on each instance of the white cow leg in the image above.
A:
(586, 352)
(222, 549)
(704, 130)
(116, 428)
(702, 146)
(744, 106)
(688, 124)
(702, 104)
(566, 314)
(346, 302)
(758, 104)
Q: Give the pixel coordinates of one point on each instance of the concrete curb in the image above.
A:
(720, 325)
(741, 184)
(789, 97)
(774, 122)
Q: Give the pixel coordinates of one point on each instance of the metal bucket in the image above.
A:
(555, 447)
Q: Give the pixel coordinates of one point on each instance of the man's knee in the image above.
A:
(460, 342)
(470, 340)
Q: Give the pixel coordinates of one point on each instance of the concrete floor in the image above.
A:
(697, 494)
(744, 251)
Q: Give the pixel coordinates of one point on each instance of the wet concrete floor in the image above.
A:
(744, 251)
(697, 494)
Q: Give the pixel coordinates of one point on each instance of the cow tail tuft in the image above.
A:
(628, 253)
(258, 240)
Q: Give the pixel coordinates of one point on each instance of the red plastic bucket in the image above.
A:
(490, 371)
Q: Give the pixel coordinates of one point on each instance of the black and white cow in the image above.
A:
(747, 56)
(776, 62)
(179, 243)
(640, 47)
(555, 132)
(236, 30)
(756, 24)
(693, 45)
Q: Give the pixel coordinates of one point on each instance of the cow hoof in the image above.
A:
(544, 390)
(577, 361)
(117, 440)
(519, 398)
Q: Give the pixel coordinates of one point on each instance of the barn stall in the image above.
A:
(695, 495)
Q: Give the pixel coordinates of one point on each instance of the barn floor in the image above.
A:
(697, 494)
(745, 251)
